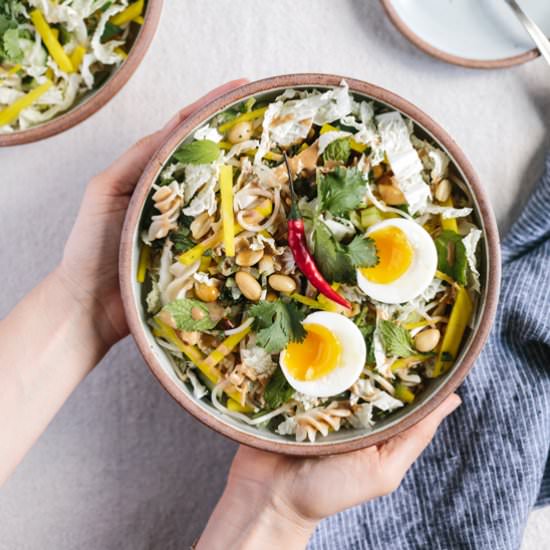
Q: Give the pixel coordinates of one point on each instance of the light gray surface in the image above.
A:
(122, 466)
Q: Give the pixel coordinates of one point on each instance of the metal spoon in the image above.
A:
(539, 38)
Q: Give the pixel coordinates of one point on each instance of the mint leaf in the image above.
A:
(338, 150)
(451, 256)
(203, 151)
(331, 257)
(277, 390)
(341, 190)
(362, 252)
(277, 323)
(396, 340)
(189, 314)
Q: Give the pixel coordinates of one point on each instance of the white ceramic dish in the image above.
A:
(471, 33)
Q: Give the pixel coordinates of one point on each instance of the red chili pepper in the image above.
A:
(298, 246)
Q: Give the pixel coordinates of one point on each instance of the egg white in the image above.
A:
(349, 367)
(420, 273)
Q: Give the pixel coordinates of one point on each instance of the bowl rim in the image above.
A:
(100, 97)
(442, 55)
(132, 220)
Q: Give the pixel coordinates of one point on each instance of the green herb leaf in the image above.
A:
(396, 340)
(110, 31)
(451, 256)
(182, 239)
(331, 257)
(184, 311)
(362, 252)
(341, 190)
(278, 390)
(12, 47)
(203, 151)
(338, 150)
(277, 323)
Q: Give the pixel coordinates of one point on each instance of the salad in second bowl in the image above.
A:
(53, 53)
(308, 262)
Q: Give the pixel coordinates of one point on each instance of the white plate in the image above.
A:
(473, 33)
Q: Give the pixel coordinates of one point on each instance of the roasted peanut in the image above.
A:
(242, 131)
(282, 283)
(443, 190)
(427, 339)
(206, 293)
(266, 264)
(247, 258)
(197, 313)
(200, 225)
(248, 285)
(391, 195)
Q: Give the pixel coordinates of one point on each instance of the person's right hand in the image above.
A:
(277, 500)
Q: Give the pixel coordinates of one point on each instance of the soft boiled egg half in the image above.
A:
(407, 262)
(330, 358)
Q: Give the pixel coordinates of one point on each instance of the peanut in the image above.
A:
(266, 264)
(391, 195)
(282, 283)
(247, 258)
(248, 285)
(206, 293)
(427, 339)
(443, 190)
(242, 131)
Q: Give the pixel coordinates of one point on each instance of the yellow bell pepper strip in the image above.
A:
(144, 255)
(252, 115)
(11, 112)
(458, 321)
(354, 145)
(14, 69)
(444, 277)
(121, 53)
(125, 16)
(139, 20)
(403, 393)
(50, 75)
(225, 145)
(423, 323)
(408, 361)
(310, 302)
(449, 223)
(169, 334)
(77, 56)
(195, 253)
(208, 365)
(52, 44)
(205, 263)
(228, 218)
(235, 406)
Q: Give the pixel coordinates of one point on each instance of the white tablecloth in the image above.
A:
(122, 466)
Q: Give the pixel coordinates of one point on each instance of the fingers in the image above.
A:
(122, 176)
(398, 454)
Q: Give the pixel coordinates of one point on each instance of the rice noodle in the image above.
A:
(270, 220)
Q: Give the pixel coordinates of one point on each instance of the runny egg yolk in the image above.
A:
(395, 255)
(316, 356)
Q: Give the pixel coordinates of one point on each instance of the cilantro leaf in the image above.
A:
(203, 151)
(277, 390)
(338, 150)
(277, 323)
(182, 239)
(396, 340)
(341, 190)
(330, 257)
(12, 46)
(451, 256)
(362, 252)
(110, 31)
(189, 314)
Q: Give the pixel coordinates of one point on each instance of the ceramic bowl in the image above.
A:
(96, 99)
(346, 440)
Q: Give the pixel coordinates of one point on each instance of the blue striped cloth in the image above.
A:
(489, 463)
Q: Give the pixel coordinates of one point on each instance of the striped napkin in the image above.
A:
(489, 463)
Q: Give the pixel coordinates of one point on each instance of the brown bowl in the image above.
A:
(345, 440)
(98, 98)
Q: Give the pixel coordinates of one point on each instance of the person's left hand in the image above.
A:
(89, 269)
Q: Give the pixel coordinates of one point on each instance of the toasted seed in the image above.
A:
(242, 131)
(249, 286)
(248, 258)
(282, 283)
(206, 293)
(197, 313)
(391, 195)
(266, 264)
(443, 190)
(427, 339)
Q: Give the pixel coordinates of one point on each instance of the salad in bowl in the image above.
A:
(53, 54)
(310, 262)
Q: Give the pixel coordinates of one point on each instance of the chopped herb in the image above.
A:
(396, 340)
(203, 151)
(190, 314)
(182, 239)
(362, 252)
(277, 323)
(110, 31)
(339, 151)
(278, 390)
(341, 190)
(447, 357)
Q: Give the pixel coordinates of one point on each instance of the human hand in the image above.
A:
(277, 500)
(89, 269)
